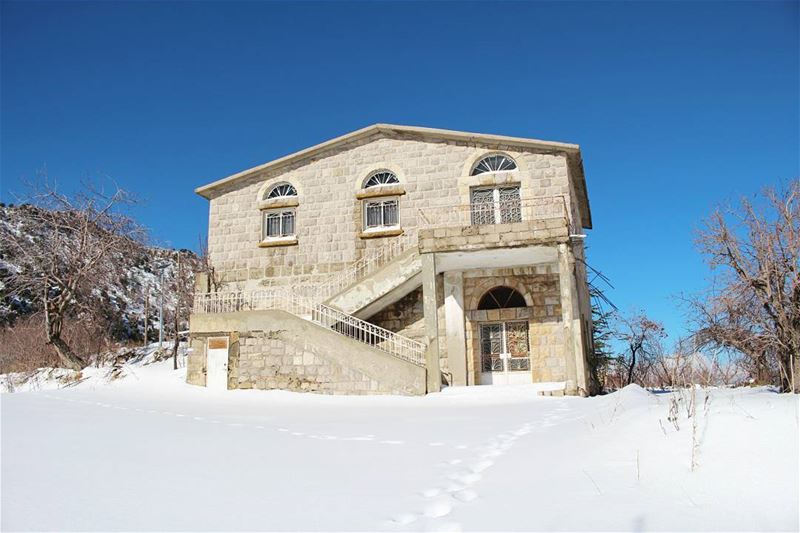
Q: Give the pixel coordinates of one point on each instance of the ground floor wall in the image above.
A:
(276, 350)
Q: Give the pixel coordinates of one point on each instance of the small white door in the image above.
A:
(505, 354)
(217, 363)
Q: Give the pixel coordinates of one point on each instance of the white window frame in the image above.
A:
(382, 200)
(284, 236)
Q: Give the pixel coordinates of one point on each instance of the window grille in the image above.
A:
(278, 224)
(496, 205)
(381, 213)
(501, 298)
(494, 163)
(282, 191)
(382, 177)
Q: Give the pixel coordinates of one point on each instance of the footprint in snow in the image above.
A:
(491, 453)
(431, 493)
(465, 495)
(481, 466)
(438, 509)
(404, 519)
(455, 487)
(446, 526)
(466, 478)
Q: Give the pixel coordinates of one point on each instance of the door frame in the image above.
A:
(505, 376)
(217, 354)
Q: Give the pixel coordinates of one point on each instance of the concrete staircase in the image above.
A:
(343, 301)
(379, 288)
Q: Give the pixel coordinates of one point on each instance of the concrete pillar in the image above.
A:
(571, 319)
(430, 310)
(455, 326)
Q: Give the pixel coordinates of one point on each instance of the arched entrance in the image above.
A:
(505, 345)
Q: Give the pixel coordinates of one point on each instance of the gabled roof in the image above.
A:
(392, 130)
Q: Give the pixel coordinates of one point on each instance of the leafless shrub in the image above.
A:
(753, 307)
(24, 346)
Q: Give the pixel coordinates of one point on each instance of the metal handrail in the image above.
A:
(497, 212)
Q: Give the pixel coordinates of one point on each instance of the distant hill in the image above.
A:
(118, 307)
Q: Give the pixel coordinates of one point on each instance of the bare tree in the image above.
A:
(753, 308)
(73, 253)
(183, 289)
(213, 281)
(641, 338)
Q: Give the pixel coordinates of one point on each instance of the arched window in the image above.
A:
(381, 212)
(381, 177)
(278, 223)
(494, 163)
(282, 190)
(501, 298)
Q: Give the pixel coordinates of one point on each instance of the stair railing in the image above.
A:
(286, 299)
(368, 264)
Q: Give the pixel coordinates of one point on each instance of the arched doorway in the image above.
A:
(504, 344)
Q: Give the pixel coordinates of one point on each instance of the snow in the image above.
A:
(148, 452)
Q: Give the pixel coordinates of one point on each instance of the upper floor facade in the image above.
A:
(316, 211)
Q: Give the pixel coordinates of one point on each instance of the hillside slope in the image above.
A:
(116, 307)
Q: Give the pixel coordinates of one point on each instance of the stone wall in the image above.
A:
(329, 216)
(405, 316)
(465, 238)
(277, 350)
(265, 363)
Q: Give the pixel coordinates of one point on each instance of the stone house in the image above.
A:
(397, 259)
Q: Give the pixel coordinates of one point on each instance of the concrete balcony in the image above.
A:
(514, 224)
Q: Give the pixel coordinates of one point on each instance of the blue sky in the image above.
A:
(677, 106)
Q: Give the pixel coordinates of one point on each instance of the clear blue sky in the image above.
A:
(677, 106)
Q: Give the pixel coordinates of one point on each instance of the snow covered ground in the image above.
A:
(149, 452)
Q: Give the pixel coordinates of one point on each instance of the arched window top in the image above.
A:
(501, 298)
(381, 177)
(282, 190)
(494, 163)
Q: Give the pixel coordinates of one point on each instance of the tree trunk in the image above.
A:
(52, 324)
(69, 359)
(146, 314)
(631, 367)
(177, 342)
(789, 367)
